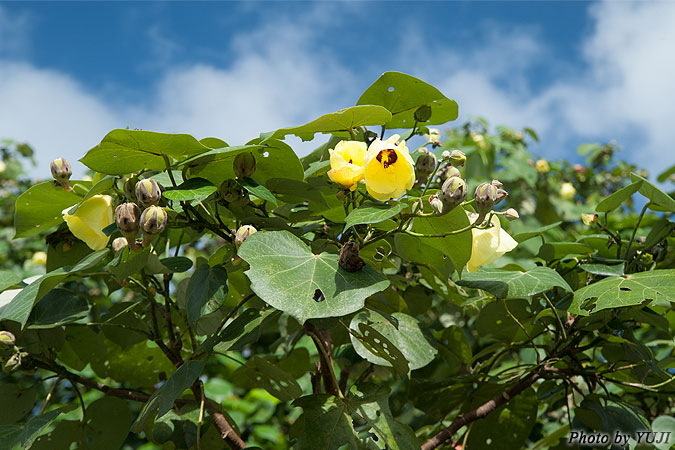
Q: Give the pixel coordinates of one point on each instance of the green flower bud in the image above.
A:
(12, 364)
(426, 162)
(153, 222)
(244, 165)
(7, 338)
(453, 193)
(436, 205)
(447, 171)
(242, 234)
(488, 195)
(349, 257)
(423, 113)
(455, 157)
(231, 191)
(511, 214)
(589, 219)
(127, 216)
(61, 171)
(148, 192)
(130, 188)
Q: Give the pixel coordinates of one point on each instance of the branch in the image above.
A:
(323, 345)
(480, 412)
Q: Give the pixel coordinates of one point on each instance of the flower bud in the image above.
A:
(456, 158)
(119, 243)
(130, 188)
(567, 191)
(434, 137)
(511, 214)
(127, 216)
(423, 113)
(542, 166)
(61, 171)
(589, 219)
(39, 258)
(448, 171)
(436, 205)
(453, 193)
(349, 257)
(7, 339)
(148, 192)
(244, 165)
(425, 165)
(153, 221)
(12, 364)
(3, 166)
(243, 233)
(341, 194)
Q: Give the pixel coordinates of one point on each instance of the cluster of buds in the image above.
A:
(130, 220)
(453, 192)
(12, 358)
(486, 196)
(61, 171)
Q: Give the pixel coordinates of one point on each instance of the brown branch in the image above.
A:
(322, 341)
(226, 431)
(480, 412)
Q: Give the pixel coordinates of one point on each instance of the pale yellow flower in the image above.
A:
(567, 190)
(542, 166)
(39, 258)
(90, 218)
(489, 244)
(433, 136)
(389, 169)
(3, 166)
(346, 162)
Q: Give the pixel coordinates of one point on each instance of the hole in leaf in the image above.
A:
(266, 154)
(589, 304)
(318, 296)
(625, 289)
(391, 89)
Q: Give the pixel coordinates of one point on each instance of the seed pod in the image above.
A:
(243, 233)
(61, 171)
(148, 192)
(244, 165)
(7, 338)
(153, 222)
(511, 214)
(436, 205)
(453, 193)
(349, 257)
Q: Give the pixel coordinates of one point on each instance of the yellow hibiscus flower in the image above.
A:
(489, 244)
(346, 162)
(389, 169)
(567, 191)
(90, 218)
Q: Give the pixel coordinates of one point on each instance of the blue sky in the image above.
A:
(574, 71)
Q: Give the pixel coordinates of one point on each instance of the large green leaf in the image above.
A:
(40, 207)
(21, 305)
(527, 235)
(58, 307)
(342, 120)
(287, 275)
(107, 424)
(402, 94)
(515, 284)
(206, 291)
(627, 290)
(35, 427)
(415, 249)
(162, 399)
(259, 372)
(324, 424)
(8, 279)
(372, 213)
(125, 151)
(615, 200)
(558, 250)
(192, 189)
(21, 402)
(660, 200)
(457, 247)
(407, 336)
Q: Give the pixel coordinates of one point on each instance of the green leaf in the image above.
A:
(107, 424)
(57, 308)
(40, 208)
(126, 151)
(377, 348)
(407, 337)
(162, 399)
(414, 249)
(260, 191)
(21, 402)
(402, 94)
(8, 435)
(659, 199)
(259, 372)
(102, 185)
(627, 290)
(457, 247)
(324, 423)
(509, 425)
(605, 270)
(192, 189)
(495, 321)
(372, 213)
(664, 424)
(8, 279)
(615, 200)
(527, 235)
(663, 176)
(285, 274)
(342, 120)
(206, 291)
(35, 427)
(177, 263)
(559, 250)
(515, 284)
(243, 330)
